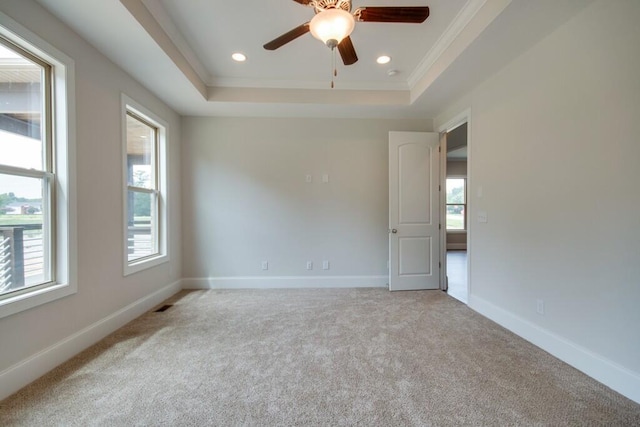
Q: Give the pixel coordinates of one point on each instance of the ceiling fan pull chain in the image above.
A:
(333, 66)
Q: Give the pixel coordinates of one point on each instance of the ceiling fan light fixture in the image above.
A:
(331, 26)
(384, 59)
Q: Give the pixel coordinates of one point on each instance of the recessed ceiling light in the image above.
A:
(384, 59)
(239, 57)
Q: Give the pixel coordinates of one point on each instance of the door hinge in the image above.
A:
(439, 187)
(439, 226)
(439, 149)
(439, 264)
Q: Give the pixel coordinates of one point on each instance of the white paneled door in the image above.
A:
(414, 211)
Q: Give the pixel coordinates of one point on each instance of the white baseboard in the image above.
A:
(270, 282)
(21, 374)
(618, 378)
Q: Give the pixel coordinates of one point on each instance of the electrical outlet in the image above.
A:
(309, 265)
(325, 265)
(540, 307)
(325, 178)
(308, 178)
(265, 265)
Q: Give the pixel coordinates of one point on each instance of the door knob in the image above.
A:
(394, 231)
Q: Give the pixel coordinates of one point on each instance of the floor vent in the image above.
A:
(163, 308)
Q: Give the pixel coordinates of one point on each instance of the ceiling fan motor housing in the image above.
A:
(320, 5)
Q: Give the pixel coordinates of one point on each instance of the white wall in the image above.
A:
(102, 289)
(246, 200)
(555, 148)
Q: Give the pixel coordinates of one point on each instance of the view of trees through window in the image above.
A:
(26, 172)
(456, 204)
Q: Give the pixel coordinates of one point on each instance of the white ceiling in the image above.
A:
(189, 44)
(305, 61)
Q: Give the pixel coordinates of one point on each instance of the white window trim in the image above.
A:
(466, 204)
(128, 104)
(66, 256)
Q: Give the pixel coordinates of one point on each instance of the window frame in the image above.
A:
(138, 111)
(464, 205)
(46, 174)
(59, 173)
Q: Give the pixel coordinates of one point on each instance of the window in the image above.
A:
(145, 192)
(37, 255)
(456, 204)
(27, 178)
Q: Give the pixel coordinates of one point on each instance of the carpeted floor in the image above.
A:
(315, 357)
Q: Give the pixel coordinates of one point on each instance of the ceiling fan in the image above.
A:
(333, 23)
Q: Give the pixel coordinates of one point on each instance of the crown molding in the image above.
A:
(309, 84)
(459, 23)
(309, 96)
(163, 19)
(148, 21)
(468, 25)
(470, 21)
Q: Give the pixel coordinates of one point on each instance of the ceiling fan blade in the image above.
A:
(409, 14)
(287, 37)
(347, 51)
(304, 2)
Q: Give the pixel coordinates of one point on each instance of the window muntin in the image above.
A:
(27, 178)
(143, 189)
(456, 204)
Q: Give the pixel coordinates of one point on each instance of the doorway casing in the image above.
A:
(456, 121)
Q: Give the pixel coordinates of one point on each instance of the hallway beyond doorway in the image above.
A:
(457, 275)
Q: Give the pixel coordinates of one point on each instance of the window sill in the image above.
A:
(137, 266)
(456, 231)
(25, 301)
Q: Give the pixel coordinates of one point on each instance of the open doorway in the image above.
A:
(456, 212)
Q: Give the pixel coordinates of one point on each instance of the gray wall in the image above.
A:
(457, 138)
(102, 289)
(456, 168)
(246, 199)
(554, 149)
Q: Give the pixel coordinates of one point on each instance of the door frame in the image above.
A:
(444, 284)
(457, 120)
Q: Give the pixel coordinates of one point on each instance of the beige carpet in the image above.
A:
(315, 357)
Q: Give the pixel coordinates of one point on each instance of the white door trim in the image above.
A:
(443, 211)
